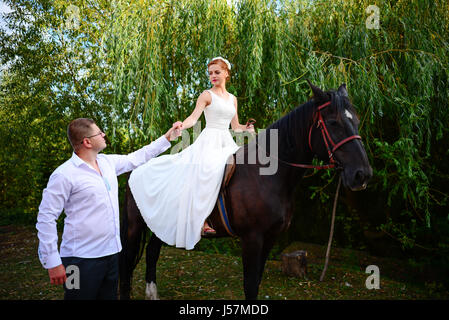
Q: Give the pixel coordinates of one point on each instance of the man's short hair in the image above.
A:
(77, 130)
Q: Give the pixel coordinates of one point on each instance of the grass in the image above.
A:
(197, 275)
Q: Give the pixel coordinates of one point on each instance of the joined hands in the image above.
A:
(174, 132)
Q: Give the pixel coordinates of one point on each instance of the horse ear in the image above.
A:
(342, 90)
(318, 94)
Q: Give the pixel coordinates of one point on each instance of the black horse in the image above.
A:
(260, 206)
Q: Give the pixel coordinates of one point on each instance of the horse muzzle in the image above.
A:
(356, 180)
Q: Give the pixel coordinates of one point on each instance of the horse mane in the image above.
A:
(293, 128)
(299, 118)
(340, 103)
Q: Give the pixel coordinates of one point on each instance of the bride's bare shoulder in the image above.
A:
(205, 97)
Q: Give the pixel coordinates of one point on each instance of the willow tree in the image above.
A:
(50, 73)
(396, 73)
(146, 63)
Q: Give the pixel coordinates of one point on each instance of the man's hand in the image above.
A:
(57, 275)
(177, 125)
(174, 132)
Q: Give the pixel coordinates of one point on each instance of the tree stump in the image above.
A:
(295, 263)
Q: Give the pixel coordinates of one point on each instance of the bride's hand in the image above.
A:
(173, 133)
(177, 125)
(250, 125)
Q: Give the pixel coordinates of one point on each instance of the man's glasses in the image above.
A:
(99, 133)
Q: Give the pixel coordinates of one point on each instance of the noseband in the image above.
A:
(327, 141)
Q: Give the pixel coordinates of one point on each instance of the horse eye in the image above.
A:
(332, 122)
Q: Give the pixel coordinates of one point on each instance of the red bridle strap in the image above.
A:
(327, 140)
(342, 142)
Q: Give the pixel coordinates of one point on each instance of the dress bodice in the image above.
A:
(220, 112)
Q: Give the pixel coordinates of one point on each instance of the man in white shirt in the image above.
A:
(86, 188)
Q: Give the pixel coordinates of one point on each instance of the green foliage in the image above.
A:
(137, 66)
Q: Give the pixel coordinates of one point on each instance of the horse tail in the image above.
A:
(124, 220)
(131, 252)
(140, 247)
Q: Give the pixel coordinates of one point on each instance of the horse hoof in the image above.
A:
(151, 292)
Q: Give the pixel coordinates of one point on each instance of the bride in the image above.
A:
(176, 193)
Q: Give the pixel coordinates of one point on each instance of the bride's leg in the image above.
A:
(207, 229)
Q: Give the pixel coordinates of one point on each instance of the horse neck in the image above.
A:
(293, 144)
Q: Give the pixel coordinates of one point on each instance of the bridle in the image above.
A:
(327, 141)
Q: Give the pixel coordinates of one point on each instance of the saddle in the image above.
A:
(222, 195)
(228, 171)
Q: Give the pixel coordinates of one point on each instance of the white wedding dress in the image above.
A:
(176, 193)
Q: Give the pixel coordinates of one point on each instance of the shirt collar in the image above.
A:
(77, 160)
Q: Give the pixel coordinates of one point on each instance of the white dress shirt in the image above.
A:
(90, 202)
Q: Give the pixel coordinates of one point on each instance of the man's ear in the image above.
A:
(87, 145)
(318, 94)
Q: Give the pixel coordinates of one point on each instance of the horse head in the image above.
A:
(334, 136)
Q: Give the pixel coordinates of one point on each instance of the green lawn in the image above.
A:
(198, 275)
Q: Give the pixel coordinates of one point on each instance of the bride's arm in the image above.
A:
(235, 124)
(203, 100)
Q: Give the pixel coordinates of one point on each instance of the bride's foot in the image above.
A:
(207, 230)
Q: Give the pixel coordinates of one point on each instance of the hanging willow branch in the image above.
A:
(397, 75)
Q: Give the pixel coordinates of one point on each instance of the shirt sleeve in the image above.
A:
(54, 198)
(126, 163)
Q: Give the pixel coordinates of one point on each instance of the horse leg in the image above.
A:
(251, 257)
(153, 251)
(267, 246)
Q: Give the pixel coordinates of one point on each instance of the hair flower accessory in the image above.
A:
(224, 60)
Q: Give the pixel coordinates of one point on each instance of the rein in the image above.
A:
(327, 141)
